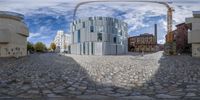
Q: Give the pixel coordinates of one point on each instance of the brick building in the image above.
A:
(181, 38)
(145, 42)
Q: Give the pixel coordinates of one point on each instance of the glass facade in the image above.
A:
(99, 37)
(91, 28)
(83, 24)
(100, 18)
(92, 48)
(79, 36)
(84, 48)
(114, 39)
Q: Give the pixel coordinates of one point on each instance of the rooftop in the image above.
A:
(143, 35)
(196, 14)
(11, 15)
(180, 24)
(98, 17)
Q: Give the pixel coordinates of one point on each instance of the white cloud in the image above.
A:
(37, 35)
(41, 34)
(134, 13)
(33, 35)
(161, 41)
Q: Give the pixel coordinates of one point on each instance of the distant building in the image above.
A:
(99, 36)
(160, 47)
(194, 33)
(145, 42)
(62, 41)
(13, 35)
(181, 38)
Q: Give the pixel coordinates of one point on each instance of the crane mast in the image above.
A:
(169, 45)
(169, 20)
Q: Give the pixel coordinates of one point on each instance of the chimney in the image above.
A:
(155, 32)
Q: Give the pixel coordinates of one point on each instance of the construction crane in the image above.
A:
(169, 45)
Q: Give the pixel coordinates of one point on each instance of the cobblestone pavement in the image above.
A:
(148, 77)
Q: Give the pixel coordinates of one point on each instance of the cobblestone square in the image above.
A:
(148, 77)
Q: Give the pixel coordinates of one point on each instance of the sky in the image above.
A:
(45, 17)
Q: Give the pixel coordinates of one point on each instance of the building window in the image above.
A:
(83, 24)
(79, 36)
(90, 18)
(99, 37)
(115, 40)
(91, 28)
(84, 48)
(92, 48)
(100, 18)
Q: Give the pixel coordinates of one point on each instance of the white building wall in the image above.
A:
(194, 35)
(87, 49)
(73, 48)
(98, 48)
(62, 41)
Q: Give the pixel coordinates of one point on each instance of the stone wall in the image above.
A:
(13, 37)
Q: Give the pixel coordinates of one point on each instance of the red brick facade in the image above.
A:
(181, 37)
(144, 42)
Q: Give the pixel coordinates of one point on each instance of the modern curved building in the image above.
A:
(13, 35)
(99, 36)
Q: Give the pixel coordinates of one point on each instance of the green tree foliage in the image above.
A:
(30, 46)
(53, 46)
(40, 47)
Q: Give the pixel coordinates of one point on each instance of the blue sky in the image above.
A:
(45, 17)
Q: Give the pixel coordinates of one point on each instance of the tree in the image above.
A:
(40, 47)
(30, 47)
(53, 46)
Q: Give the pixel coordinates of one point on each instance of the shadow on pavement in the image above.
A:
(56, 77)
